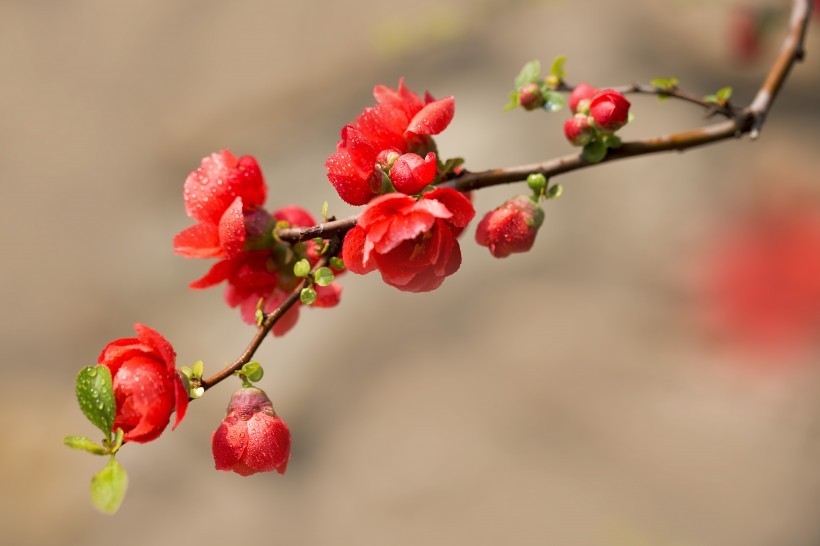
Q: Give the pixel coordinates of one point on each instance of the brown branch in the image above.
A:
(742, 121)
(263, 330)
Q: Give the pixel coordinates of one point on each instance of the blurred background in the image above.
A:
(646, 376)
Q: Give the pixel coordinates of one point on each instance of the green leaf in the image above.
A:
(528, 74)
(553, 100)
(84, 444)
(324, 210)
(594, 152)
(187, 372)
(450, 165)
(108, 487)
(301, 268)
(198, 368)
(557, 71)
(253, 371)
(307, 296)
(323, 276)
(96, 397)
(724, 94)
(555, 191)
(337, 263)
(666, 84)
(512, 104)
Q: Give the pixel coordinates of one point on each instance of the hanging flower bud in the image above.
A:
(251, 438)
(511, 227)
(578, 130)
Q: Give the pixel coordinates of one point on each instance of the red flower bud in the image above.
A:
(411, 174)
(610, 110)
(511, 227)
(582, 92)
(578, 130)
(251, 438)
(147, 387)
(529, 96)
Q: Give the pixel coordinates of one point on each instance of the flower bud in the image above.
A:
(610, 110)
(578, 130)
(529, 96)
(251, 438)
(511, 227)
(411, 173)
(580, 97)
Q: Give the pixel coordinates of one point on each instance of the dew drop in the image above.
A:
(92, 372)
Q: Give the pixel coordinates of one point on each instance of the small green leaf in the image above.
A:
(594, 152)
(301, 268)
(96, 397)
(323, 276)
(307, 296)
(253, 371)
(553, 100)
(612, 141)
(450, 165)
(555, 191)
(665, 84)
(108, 487)
(557, 71)
(528, 74)
(337, 263)
(512, 104)
(324, 210)
(84, 444)
(724, 94)
(259, 315)
(187, 372)
(198, 368)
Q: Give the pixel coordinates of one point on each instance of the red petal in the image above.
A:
(433, 118)
(145, 398)
(456, 203)
(154, 339)
(218, 273)
(327, 296)
(411, 174)
(198, 241)
(268, 443)
(353, 251)
(228, 443)
(232, 229)
(296, 216)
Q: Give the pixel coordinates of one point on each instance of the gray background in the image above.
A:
(570, 396)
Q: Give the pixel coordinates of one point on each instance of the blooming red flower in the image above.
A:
(610, 110)
(147, 387)
(401, 122)
(582, 92)
(412, 242)
(511, 227)
(223, 194)
(251, 438)
(578, 130)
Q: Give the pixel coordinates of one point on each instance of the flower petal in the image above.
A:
(433, 118)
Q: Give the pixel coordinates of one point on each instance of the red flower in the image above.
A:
(578, 130)
(610, 110)
(401, 122)
(251, 438)
(582, 92)
(511, 227)
(147, 387)
(223, 195)
(412, 242)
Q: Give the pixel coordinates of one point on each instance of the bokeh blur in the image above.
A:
(604, 389)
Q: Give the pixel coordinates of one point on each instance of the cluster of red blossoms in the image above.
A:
(387, 160)
(597, 114)
(225, 196)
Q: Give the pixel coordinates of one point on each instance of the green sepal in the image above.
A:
(307, 296)
(301, 268)
(198, 368)
(85, 444)
(253, 371)
(553, 100)
(528, 74)
(95, 394)
(557, 72)
(108, 487)
(323, 276)
(512, 104)
(594, 152)
(337, 263)
(119, 436)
